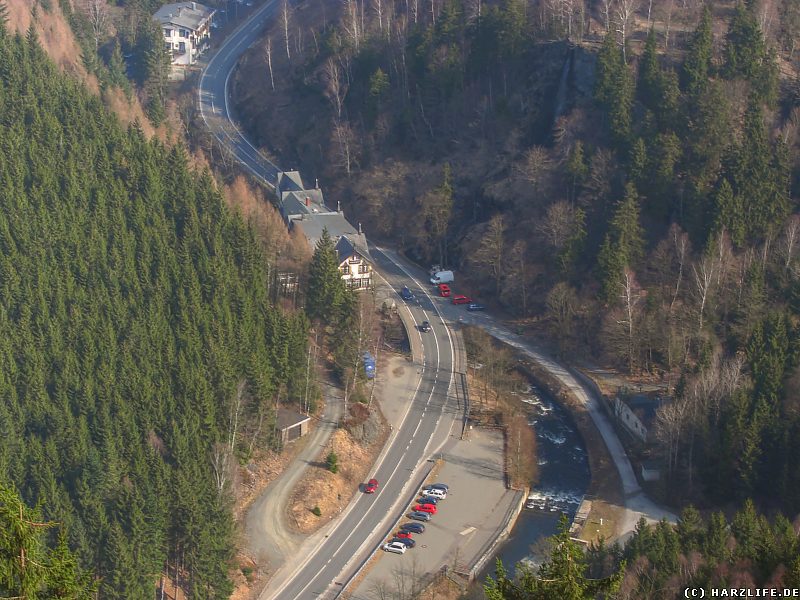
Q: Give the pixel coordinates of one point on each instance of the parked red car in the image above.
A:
(403, 534)
(371, 487)
(444, 290)
(461, 300)
(428, 508)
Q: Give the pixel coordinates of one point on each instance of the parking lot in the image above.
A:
(467, 521)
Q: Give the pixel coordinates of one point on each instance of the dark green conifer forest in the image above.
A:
(136, 336)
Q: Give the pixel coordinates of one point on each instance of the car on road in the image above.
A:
(434, 492)
(413, 527)
(475, 306)
(461, 300)
(371, 487)
(425, 327)
(428, 508)
(407, 542)
(444, 290)
(419, 515)
(429, 500)
(403, 535)
(396, 547)
(406, 294)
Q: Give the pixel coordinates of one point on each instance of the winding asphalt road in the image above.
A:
(430, 418)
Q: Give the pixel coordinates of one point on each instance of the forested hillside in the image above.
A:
(635, 189)
(138, 344)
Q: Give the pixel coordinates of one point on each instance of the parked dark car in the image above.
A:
(409, 543)
(428, 500)
(413, 527)
(475, 306)
(419, 516)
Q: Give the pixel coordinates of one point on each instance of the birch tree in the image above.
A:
(625, 11)
(787, 246)
(268, 57)
(704, 274)
(336, 86)
(285, 19)
(97, 13)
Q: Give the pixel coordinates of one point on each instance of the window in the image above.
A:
(168, 33)
(354, 260)
(345, 269)
(184, 33)
(363, 269)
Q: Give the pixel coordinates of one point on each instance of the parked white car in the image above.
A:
(396, 547)
(434, 493)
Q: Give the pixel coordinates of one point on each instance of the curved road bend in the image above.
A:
(213, 100)
(359, 529)
(637, 504)
(316, 576)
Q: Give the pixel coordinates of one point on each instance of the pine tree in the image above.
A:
(326, 289)
(649, 82)
(577, 168)
(697, 65)
(27, 568)
(562, 576)
(625, 228)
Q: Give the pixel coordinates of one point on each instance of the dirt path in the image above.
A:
(270, 541)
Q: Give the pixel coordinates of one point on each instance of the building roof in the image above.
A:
(288, 418)
(289, 181)
(306, 209)
(348, 245)
(190, 15)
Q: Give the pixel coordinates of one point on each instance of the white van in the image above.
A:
(442, 277)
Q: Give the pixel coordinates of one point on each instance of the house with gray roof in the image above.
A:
(305, 210)
(187, 29)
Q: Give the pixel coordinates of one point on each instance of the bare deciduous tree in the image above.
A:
(222, 464)
(491, 249)
(704, 273)
(669, 426)
(346, 140)
(97, 13)
(631, 295)
(534, 168)
(562, 305)
(789, 241)
(558, 224)
(607, 6)
(625, 11)
(336, 86)
(285, 18)
(268, 57)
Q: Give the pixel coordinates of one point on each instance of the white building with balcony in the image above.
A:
(187, 30)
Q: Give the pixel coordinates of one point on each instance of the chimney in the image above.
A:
(359, 229)
(308, 201)
(194, 5)
(338, 206)
(316, 183)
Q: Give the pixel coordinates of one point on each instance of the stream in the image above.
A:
(563, 479)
